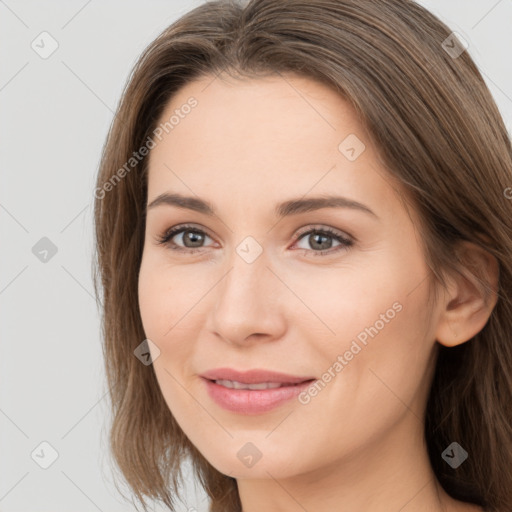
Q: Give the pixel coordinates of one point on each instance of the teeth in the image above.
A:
(233, 384)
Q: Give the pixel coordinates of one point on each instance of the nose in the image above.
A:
(249, 303)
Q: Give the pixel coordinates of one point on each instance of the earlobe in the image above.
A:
(470, 297)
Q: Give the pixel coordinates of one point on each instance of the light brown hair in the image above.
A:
(442, 138)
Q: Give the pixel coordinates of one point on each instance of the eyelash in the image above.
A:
(165, 239)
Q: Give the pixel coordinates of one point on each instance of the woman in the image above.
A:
(303, 241)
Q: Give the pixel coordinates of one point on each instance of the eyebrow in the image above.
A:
(287, 208)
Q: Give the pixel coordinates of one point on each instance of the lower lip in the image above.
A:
(253, 401)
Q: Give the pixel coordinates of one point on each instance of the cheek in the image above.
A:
(165, 296)
(377, 320)
(152, 299)
(172, 303)
(383, 333)
(378, 358)
(163, 311)
(358, 301)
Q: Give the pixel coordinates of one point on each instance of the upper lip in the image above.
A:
(255, 376)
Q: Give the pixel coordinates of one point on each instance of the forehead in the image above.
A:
(267, 136)
(248, 115)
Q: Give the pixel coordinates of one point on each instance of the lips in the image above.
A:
(255, 376)
(254, 391)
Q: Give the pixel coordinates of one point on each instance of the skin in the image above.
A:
(358, 445)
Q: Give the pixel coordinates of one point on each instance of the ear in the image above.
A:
(470, 296)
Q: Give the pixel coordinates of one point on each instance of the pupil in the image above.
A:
(325, 245)
(193, 237)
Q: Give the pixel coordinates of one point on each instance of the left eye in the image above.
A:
(189, 234)
(321, 240)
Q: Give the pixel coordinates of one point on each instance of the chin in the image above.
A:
(244, 459)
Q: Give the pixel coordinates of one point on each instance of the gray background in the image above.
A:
(55, 116)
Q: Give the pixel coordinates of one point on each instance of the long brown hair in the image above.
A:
(442, 138)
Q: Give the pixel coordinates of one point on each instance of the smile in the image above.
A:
(251, 399)
(233, 384)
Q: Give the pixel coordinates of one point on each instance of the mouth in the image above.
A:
(254, 376)
(256, 397)
(233, 384)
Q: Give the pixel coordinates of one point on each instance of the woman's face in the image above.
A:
(271, 282)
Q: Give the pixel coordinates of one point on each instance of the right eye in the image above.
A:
(189, 235)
